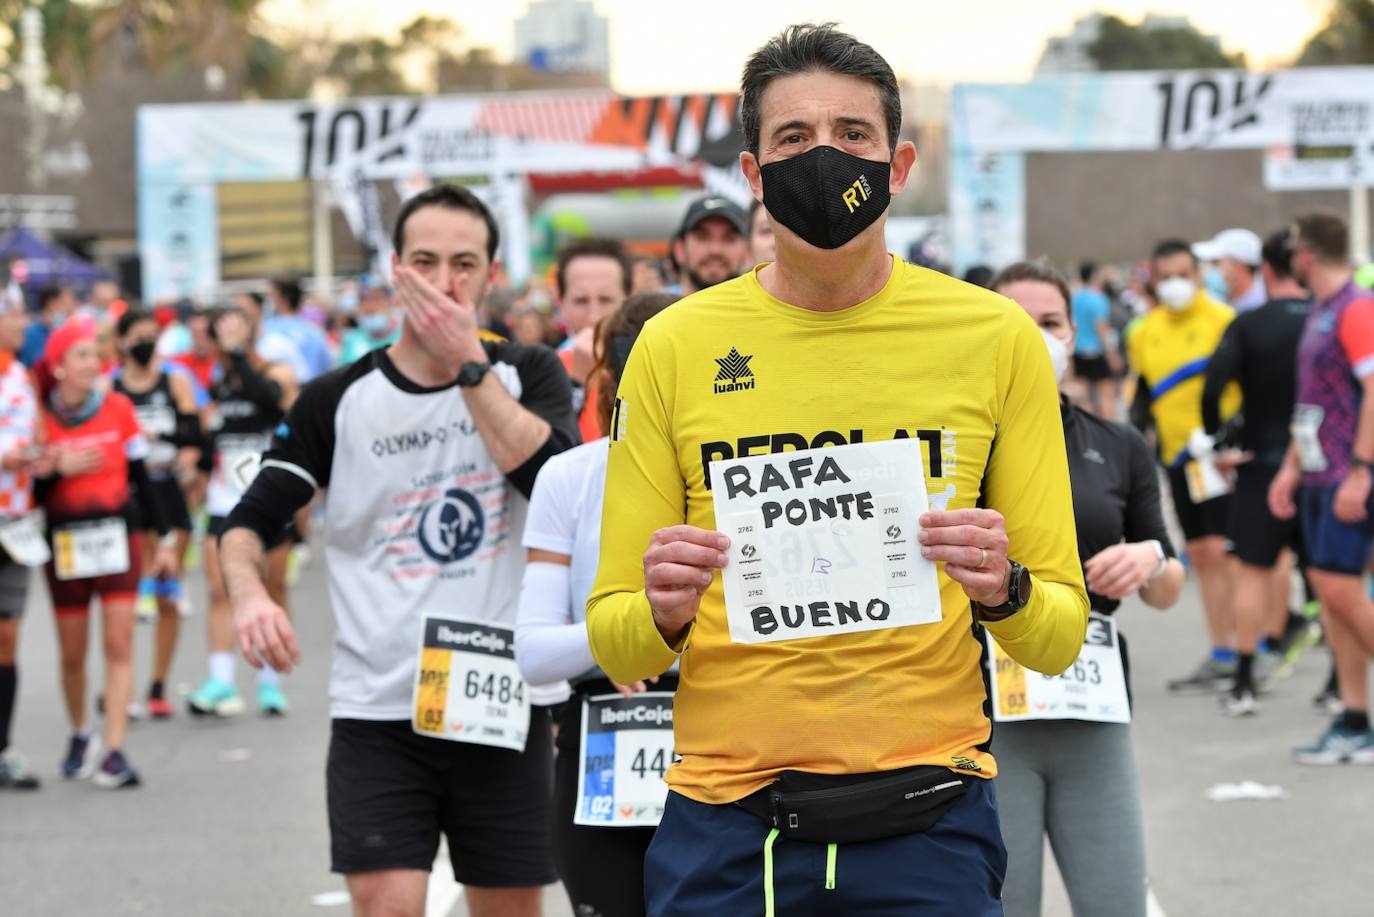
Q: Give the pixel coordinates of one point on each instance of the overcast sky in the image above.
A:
(665, 46)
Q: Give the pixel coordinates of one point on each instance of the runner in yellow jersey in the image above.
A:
(1171, 350)
(939, 406)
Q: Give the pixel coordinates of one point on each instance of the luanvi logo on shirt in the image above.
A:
(734, 374)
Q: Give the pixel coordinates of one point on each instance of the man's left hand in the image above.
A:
(1352, 497)
(446, 328)
(972, 544)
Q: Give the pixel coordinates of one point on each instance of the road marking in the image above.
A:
(1152, 908)
(443, 892)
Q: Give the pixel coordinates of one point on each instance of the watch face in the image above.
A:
(1023, 584)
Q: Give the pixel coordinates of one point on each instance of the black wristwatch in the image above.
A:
(1357, 462)
(1018, 594)
(472, 374)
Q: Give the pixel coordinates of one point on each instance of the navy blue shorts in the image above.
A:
(1333, 546)
(707, 861)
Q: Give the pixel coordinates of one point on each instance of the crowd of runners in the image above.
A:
(689, 666)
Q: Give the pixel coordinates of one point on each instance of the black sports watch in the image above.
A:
(472, 374)
(1018, 594)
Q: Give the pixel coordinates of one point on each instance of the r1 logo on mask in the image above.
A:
(826, 196)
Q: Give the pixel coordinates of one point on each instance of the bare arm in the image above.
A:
(1164, 590)
(511, 433)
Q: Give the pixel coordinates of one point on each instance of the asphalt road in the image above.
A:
(231, 820)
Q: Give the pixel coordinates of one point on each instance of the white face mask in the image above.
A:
(1177, 293)
(1059, 355)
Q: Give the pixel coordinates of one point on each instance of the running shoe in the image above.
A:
(1339, 746)
(271, 700)
(81, 757)
(146, 608)
(159, 709)
(15, 773)
(215, 698)
(1328, 702)
(115, 772)
(1239, 703)
(1210, 675)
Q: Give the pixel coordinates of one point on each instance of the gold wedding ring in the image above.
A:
(983, 559)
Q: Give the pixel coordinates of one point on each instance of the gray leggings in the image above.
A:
(1076, 782)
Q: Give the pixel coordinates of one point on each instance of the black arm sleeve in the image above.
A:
(270, 503)
(1144, 518)
(299, 460)
(255, 386)
(149, 508)
(546, 392)
(187, 433)
(1222, 369)
(1139, 412)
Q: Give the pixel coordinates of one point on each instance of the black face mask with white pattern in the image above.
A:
(826, 196)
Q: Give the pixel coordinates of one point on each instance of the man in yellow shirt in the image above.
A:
(1171, 350)
(814, 687)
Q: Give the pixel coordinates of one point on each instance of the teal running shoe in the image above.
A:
(215, 698)
(271, 700)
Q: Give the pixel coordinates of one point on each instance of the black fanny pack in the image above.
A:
(852, 808)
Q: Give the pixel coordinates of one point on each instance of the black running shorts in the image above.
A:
(1198, 520)
(392, 792)
(172, 502)
(1257, 536)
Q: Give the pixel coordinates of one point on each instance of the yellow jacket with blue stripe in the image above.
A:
(1170, 350)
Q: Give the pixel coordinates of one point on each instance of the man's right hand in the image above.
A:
(1281, 491)
(265, 634)
(679, 565)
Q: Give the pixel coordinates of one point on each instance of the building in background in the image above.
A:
(563, 36)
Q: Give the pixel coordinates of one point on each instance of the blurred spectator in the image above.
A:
(377, 321)
(1096, 363)
(200, 357)
(1237, 254)
(103, 295)
(272, 345)
(55, 305)
(285, 319)
(646, 275)
(980, 275)
(712, 245)
(761, 245)
(496, 311)
(530, 326)
(593, 279)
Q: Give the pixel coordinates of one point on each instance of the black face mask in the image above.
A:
(825, 195)
(142, 352)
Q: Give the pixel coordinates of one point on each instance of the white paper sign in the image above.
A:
(823, 541)
(1093, 688)
(24, 542)
(1307, 424)
(1206, 481)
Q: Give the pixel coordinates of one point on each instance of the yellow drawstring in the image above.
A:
(830, 851)
(768, 872)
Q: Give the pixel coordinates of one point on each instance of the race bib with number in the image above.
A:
(467, 687)
(627, 747)
(1206, 481)
(823, 541)
(1307, 423)
(24, 542)
(85, 550)
(1093, 688)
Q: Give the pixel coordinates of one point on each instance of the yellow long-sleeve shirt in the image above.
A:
(732, 371)
(1171, 350)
